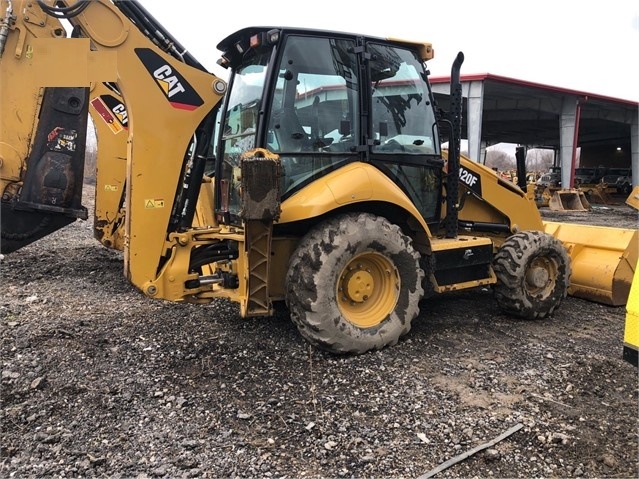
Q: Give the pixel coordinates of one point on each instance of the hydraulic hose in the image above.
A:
(64, 12)
(153, 30)
(4, 27)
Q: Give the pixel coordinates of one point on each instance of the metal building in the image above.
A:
(499, 109)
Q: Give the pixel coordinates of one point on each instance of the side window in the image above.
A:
(315, 106)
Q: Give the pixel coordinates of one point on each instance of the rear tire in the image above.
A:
(533, 274)
(354, 284)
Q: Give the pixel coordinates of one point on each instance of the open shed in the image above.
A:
(499, 109)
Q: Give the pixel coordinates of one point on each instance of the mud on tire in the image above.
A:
(354, 284)
(533, 274)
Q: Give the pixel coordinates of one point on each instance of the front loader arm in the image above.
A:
(168, 101)
(489, 203)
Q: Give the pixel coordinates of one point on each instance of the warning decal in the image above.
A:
(150, 204)
(112, 112)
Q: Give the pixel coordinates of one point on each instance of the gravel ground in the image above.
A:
(99, 381)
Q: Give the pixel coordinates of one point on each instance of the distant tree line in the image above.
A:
(537, 160)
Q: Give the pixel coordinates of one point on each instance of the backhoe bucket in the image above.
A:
(598, 195)
(603, 260)
(542, 196)
(633, 198)
(569, 200)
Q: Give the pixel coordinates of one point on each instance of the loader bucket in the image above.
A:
(633, 198)
(603, 260)
(568, 200)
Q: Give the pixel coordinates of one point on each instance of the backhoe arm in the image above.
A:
(169, 102)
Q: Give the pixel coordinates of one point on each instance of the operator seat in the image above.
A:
(288, 131)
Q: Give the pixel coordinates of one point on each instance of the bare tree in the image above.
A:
(90, 154)
(539, 159)
(500, 160)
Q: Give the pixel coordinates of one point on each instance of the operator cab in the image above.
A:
(322, 100)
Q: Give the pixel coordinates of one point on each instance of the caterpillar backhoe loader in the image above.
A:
(330, 190)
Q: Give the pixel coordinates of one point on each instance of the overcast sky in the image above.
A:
(572, 44)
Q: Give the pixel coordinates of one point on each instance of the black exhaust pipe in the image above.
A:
(454, 148)
(520, 156)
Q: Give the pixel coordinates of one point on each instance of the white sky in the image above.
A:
(593, 48)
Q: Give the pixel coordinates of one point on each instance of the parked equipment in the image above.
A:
(329, 191)
(631, 329)
(633, 198)
(569, 200)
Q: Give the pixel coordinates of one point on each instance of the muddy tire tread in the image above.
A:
(312, 275)
(510, 264)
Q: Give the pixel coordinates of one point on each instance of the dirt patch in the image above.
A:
(99, 381)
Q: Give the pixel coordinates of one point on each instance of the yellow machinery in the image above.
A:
(633, 198)
(569, 200)
(542, 194)
(603, 260)
(318, 179)
(111, 123)
(596, 193)
(631, 329)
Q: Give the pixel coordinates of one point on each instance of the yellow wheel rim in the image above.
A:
(367, 289)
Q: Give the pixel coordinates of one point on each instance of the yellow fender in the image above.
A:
(354, 183)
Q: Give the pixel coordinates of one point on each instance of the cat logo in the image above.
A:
(120, 113)
(175, 88)
(167, 81)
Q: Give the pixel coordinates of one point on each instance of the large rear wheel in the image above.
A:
(533, 274)
(354, 284)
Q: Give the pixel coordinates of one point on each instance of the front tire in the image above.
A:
(533, 274)
(354, 284)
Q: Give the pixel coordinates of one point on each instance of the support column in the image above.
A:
(634, 149)
(567, 123)
(475, 109)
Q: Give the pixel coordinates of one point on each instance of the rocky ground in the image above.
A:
(99, 381)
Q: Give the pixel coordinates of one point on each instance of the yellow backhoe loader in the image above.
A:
(329, 192)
